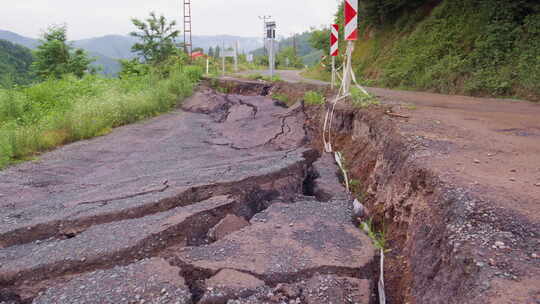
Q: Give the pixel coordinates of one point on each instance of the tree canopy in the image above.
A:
(15, 63)
(156, 38)
(55, 57)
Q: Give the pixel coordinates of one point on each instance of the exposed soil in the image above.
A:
(455, 186)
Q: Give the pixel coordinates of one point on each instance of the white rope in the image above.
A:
(382, 295)
(344, 92)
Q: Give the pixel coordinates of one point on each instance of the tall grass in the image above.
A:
(56, 112)
(483, 48)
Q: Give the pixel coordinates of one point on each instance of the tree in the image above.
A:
(55, 57)
(217, 52)
(320, 39)
(287, 57)
(157, 38)
(211, 52)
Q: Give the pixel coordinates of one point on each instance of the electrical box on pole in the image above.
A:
(271, 37)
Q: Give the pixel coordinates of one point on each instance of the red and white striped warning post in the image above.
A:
(334, 50)
(334, 40)
(351, 35)
(351, 20)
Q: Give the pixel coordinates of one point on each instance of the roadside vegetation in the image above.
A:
(361, 100)
(473, 47)
(71, 102)
(313, 98)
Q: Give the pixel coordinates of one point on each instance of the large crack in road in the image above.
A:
(222, 202)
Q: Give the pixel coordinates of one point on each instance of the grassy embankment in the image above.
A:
(472, 47)
(56, 112)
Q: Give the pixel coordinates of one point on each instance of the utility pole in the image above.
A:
(264, 18)
(223, 59)
(271, 36)
(188, 43)
(236, 47)
(294, 44)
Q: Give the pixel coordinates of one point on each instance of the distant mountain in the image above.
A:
(118, 46)
(18, 39)
(108, 65)
(113, 46)
(108, 49)
(304, 49)
(15, 62)
(246, 44)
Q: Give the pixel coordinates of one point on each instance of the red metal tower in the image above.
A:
(188, 43)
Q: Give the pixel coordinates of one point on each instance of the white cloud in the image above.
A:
(100, 17)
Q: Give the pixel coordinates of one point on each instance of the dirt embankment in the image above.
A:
(454, 234)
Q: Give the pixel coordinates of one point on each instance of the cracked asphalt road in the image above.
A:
(111, 220)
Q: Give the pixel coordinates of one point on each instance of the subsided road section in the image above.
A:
(125, 218)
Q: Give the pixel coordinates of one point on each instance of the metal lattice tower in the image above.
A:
(188, 43)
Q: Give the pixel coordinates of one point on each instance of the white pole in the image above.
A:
(271, 59)
(223, 60)
(236, 57)
(333, 71)
(347, 72)
(207, 66)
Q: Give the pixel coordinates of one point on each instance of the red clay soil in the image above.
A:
(456, 182)
(491, 148)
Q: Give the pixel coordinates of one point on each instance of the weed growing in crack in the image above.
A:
(223, 90)
(362, 100)
(313, 98)
(377, 237)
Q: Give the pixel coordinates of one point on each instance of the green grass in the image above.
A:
(361, 100)
(254, 76)
(274, 78)
(318, 73)
(377, 237)
(55, 112)
(313, 98)
(281, 97)
(482, 48)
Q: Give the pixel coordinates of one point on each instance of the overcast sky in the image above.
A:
(91, 18)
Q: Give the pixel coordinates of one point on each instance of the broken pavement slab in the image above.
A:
(148, 281)
(117, 242)
(230, 284)
(326, 179)
(228, 225)
(288, 242)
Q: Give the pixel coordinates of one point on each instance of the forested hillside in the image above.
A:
(476, 47)
(305, 51)
(15, 62)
